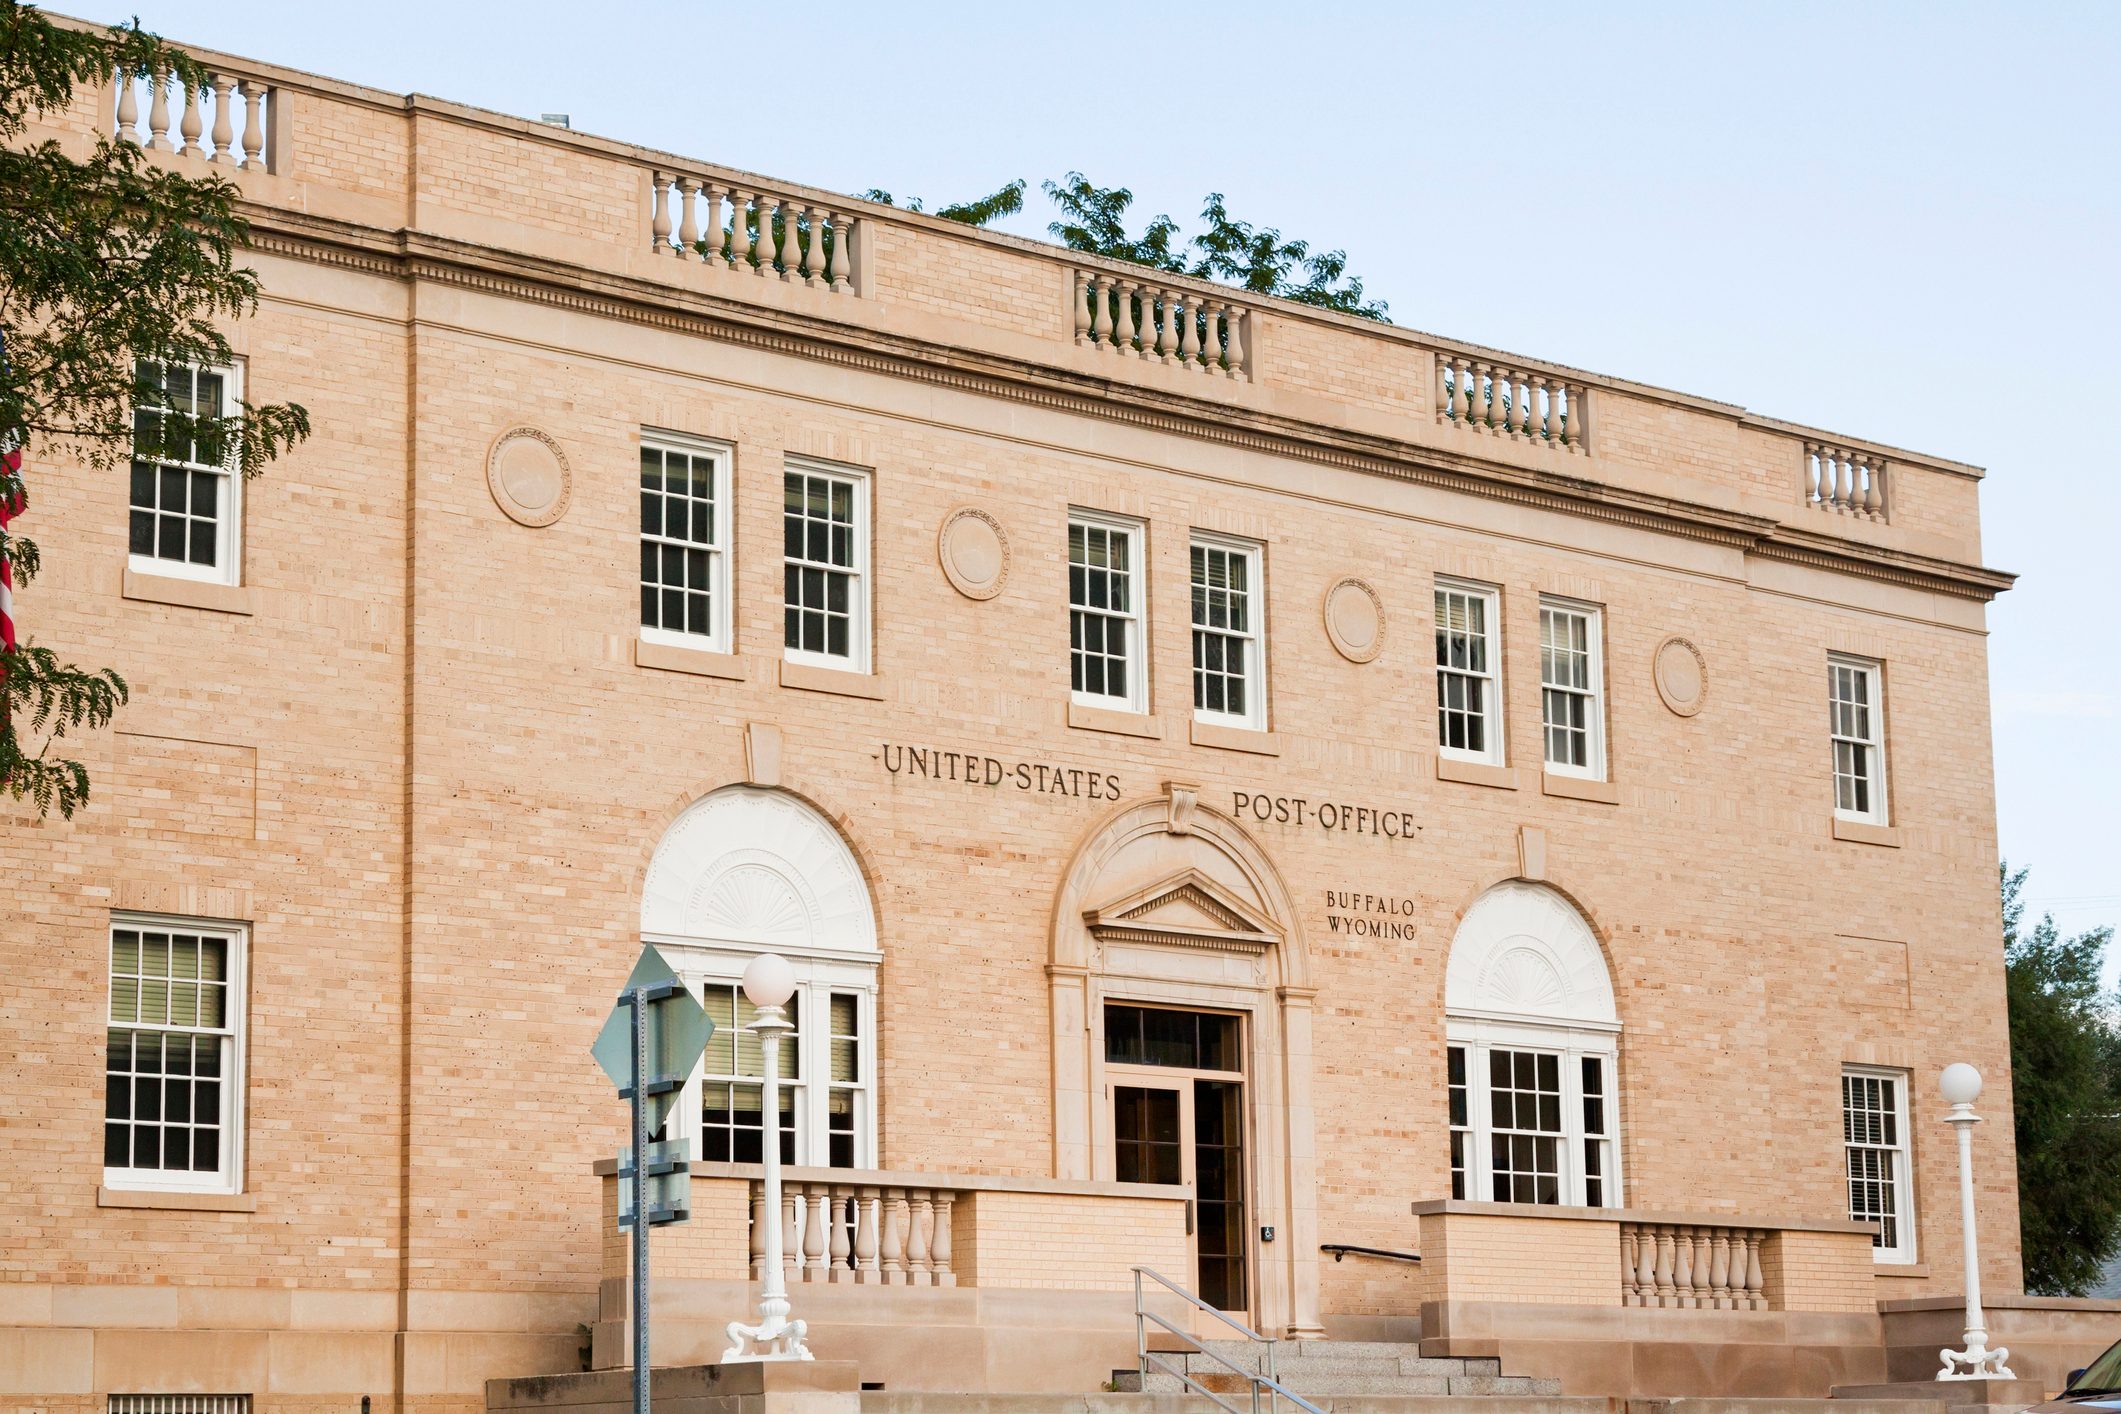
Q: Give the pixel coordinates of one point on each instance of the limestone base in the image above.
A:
(742, 1387)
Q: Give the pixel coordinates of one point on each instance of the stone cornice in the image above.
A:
(417, 256)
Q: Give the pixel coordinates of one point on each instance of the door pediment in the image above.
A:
(1187, 910)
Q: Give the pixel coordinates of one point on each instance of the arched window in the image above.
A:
(1532, 1038)
(745, 871)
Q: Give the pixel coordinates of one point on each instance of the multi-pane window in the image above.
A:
(1874, 1136)
(1104, 613)
(1532, 1122)
(185, 516)
(824, 527)
(684, 542)
(171, 1071)
(1857, 721)
(1461, 1118)
(1572, 679)
(1468, 653)
(1228, 664)
(827, 1062)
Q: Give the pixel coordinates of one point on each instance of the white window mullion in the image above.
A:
(185, 515)
(1469, 672)
(1229, 678)
(685, 531)
(1856, 720)
(174, 1055)
(1572, 688)
(1874, 1124)
(1106, 590)
(825, 578)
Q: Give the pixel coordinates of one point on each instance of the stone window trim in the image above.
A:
(232, 1034)
(1572, 688)
(1229, 622)
(849, 567)
(692, 567)
(164, 494)
(1108, 592)
(1856, 734)
(1878, 1158)
(1469, 676)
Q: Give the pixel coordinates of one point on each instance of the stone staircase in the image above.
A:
(1323, 1370)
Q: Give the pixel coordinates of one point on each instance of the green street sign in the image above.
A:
(678, 1031)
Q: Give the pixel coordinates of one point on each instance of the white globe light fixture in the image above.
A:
(1960, 1084)
(768, 984)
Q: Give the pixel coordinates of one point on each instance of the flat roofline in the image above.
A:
(535, 131)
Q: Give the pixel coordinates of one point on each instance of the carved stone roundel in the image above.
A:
(1355, 620)
(529, 477)
(975, 553)
(1682, 676)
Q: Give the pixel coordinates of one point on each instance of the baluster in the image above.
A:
(659, 214)
(1874, 490)
(1845, 483)
(865, 1203)
(1755, 1285)
(772, 242)
(1829, 479)
(253, 121)
(814, 253)
(1704, 1268)
(1539, 409)
(1189, 331)
(158, 112)
(1166, 337)
(791, 1228)
(1079, 305)
(791, 240)
(1720, 1270)
(1683, 1266)
(939, 1249)
(1487, 397)
(757, 1228)
(919, 1234)
(892, 1213)
(710, 246)
(1666, 1293)
(1233, 341)
(1629, 1294)
(224, 130)
(194, 120)
(1100, 316)
(689, 220)
(1123, 333)
(1513, 403)
(817, 1198)
(128, 109)
(1808, 475)
(1464, 391)
(841, 1248)
(733, 247)
(1645, 1267)
(843, 238)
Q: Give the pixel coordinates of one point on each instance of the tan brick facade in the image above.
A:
(420, 761)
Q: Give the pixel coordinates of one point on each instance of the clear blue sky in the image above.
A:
(1899, 222)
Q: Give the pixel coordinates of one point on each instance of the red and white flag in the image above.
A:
(12, 501)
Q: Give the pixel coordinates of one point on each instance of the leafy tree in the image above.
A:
(2066, 1083)
(106, 260)
(1257, 259)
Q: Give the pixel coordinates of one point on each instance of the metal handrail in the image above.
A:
(1254, 1380)
(1342, 1249)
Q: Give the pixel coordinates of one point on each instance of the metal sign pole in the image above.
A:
(637, 999)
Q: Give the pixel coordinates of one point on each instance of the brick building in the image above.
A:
(1235, 781)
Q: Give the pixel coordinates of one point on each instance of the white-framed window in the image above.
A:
(1856, 718)
(1468, 671)
(186, 516)
(173, 1055)
(825, 581)
(1874, 1139)
(1106, 661)
(1229, 635)
(179, 1404)
(685, 529)
(828, 1063)
(1572, 687)
(1533, 1115)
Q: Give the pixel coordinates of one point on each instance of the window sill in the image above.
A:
(187, 593)
(1858, 832)
(1253, 739)
(176, 1200)
(1476, 773)
(1902, 1269)
(1579, 788)
(701, 662)
(843, 682)
(1105, 719)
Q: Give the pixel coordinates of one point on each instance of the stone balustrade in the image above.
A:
(1703, 1267)
(1845, 481)
(884, 1234)
(1523, 405)
(1147, 318)
(726, 225)
(209, 118)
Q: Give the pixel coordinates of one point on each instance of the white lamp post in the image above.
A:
(769, 982)
(1961, 1086)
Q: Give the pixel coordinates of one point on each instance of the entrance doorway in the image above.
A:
(1177, 1088)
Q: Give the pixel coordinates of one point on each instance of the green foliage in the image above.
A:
(106, 259)
(2066, 1083)
(1253, 258)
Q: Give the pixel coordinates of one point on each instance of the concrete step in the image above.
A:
(1107, 1402)
(1294, 1369)
(1331, 1385)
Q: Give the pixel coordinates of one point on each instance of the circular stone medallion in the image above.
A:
(1355, 620)
(974, 551)
(528, 475)
(1682, 676)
